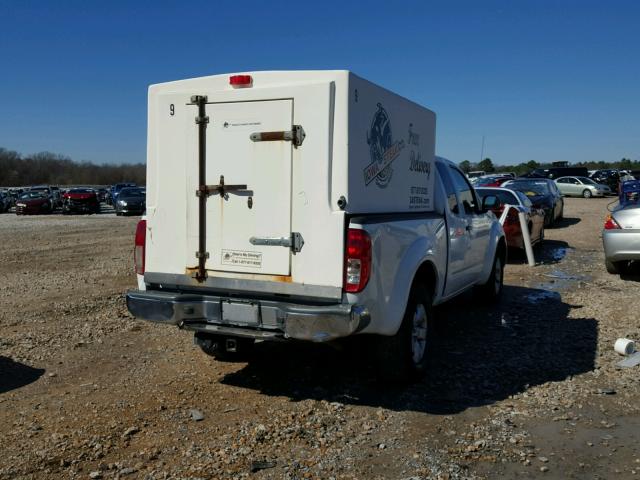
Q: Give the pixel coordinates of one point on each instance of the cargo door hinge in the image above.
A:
(296, 136)
(295, 242)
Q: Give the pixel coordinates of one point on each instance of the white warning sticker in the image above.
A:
(242, 258)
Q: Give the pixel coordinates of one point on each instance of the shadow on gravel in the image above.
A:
(483, 355)
(15, 375)
(565, 222)
(633, 272)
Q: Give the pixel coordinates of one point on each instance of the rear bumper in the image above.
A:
(621, 245)
(263, 319)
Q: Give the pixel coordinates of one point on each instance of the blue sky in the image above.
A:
(543, 80)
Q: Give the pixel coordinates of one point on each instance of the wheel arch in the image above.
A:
(427, 274)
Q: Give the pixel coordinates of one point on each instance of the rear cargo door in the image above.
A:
(262, 210)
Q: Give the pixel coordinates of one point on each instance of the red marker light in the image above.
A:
(240, 81)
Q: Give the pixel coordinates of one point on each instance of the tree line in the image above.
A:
(487, 165)
(48, 168)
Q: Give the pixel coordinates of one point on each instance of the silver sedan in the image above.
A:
(581, 187)
(621, 237)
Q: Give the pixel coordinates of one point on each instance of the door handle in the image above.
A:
(220, 189)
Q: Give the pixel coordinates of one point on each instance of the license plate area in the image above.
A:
(240, 313)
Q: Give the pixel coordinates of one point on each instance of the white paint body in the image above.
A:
(363, 144)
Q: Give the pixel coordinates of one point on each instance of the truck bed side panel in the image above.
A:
(399, 248)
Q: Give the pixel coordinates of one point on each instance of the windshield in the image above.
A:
(30, 195)
(80, 190)
(530, 188)
(131, 192)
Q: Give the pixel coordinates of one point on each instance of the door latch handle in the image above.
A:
(220, 189)
(296, 136)
(294, 242)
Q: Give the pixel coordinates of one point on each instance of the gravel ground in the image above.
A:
(527, 388)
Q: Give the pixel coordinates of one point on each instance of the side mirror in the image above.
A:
(490, 202)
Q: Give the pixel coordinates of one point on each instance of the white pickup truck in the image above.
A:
(305, 205)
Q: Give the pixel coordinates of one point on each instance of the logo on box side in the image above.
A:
(382, 148)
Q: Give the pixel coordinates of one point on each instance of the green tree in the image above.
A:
(486, 165)
(532, 164)
(465, 166)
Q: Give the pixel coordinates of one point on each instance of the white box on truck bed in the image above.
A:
(365, 150)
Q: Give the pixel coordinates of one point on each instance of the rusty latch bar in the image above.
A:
(296, 135)
(201, 120)
(220, 189)
(295, 242)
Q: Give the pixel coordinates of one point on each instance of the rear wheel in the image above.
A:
(406, 355)
(586, 193)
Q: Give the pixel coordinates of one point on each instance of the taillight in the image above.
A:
(610, 223)
(138, 252)
(357, 260)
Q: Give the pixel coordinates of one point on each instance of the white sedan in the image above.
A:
(581, 187)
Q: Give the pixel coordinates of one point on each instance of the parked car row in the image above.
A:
(572, 181)
(44, 199)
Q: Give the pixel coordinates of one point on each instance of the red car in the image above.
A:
(511, 226)
(492, 180)
(33, 203)
(80, 200)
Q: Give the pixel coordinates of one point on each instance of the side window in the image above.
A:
(506, 198)
(452, 201)
(563, 180)
(465, 191)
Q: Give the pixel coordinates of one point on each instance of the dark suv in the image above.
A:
(608, 177)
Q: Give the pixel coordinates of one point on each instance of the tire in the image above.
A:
(491, 291)
(561, 216)
(217, 346)
(586, 193)
(406, 356)
(616, 268)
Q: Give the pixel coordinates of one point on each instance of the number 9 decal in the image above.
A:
(172, 110)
